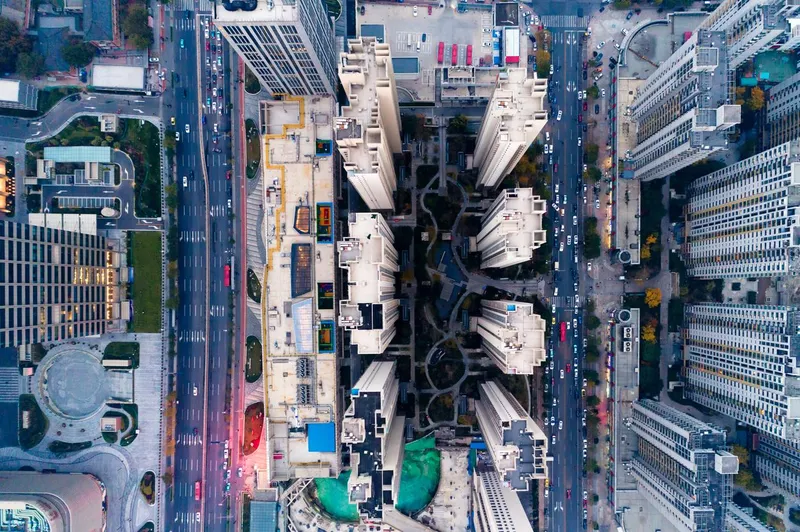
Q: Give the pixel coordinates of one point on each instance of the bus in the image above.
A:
(441, 52)
(227, 276)
(469, 55)
(563, 331)
(197, 490)
(454, 54)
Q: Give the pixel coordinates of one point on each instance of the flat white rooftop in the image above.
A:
(9, 90)
(519, 99)
(118, 77)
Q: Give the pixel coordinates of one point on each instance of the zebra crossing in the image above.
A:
(565, 21)
(192, 236)
(9, 385)
(184, 24)
(192, 5)
(563, 301)
(191, 336)
(189, 439)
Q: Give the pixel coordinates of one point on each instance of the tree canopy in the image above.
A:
(652, 297)
(78, 53)
(136, 29)
(30, 65)
(12, 43)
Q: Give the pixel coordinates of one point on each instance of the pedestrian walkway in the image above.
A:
(565, 21)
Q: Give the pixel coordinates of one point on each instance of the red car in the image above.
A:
(568, 368)
(430, 10)
(585, 106)
(555, 168)
(208, 46)
(580, 118)
(585, 65)
(569, 494)
(228, 175)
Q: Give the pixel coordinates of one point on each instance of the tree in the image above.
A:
(645, 253)
(457, 124)
(593, 174)
(591, 376)
(136, 29)
(12, 43)
(592, 150)
(167, 478)
(542, 62)
(593, 322)
(652, 239)
(592, 401)
(30, 65)
(593, 92)
(741, 453)
(756, 101)
(652, 297)
(78, 53)
(649, 334)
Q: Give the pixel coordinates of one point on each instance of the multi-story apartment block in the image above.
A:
(288, 44)
(682, 467)
(754, 26)
(741, 360)
(368, 129)
(517, 445)
(684, 112)
(742, 220)
(512, 228)
(513, 336)
(369, 309)
(57, 284)
(739, 519)
(497, 507)
(783, 112)
(513, 119)
(778, 462)
(373, 432)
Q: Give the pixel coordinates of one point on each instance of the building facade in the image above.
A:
(512, 334)
(56, 285)
(369, 309)
(16, 94)
(513, 119)
(778, 462)
(373, 432)
(682, 467)
(783, 112)
(512, 228)
(739, 519)
(684, 112)
(496, 507)
(368, 129)
(288, 44)
(742, 220)
(517, 445)
(742, 361)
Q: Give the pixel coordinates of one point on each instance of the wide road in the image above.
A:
(565, 505)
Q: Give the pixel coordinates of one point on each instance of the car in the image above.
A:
(214, 78)
(197, 517)
(569, 493)
(194, 431)
(555, 168)
(219, 61)
(600, 46)
(559, 116)
(574, 220)
(562, 373)
(624, 31)
(551, 70)
(415, 11)
(552, 421)
(555, 401)
(579, 141)
(597, 203)
(227, 444)
(216, 128)
(183, 44)
(597, 109)
(208, 101)
(208, 46)
(225, 454)
(230, 204)
(580, 118)
(554, 439)
(585, 74)
(206, 33)
(424, 35)
(616, 45)
(194, 391)
(585, 383)
(569, 240)
(239, 472)
(219, 94)
(580, 95)
(363, 9)
(185, 181)
(556, 188)
(568, 368)
(585, 65)
(208, 61)
(213, 106)
(585, 105)
(227, 474)
(177, 136)
(602, 93)
(551, 365)
(629, 15)
(589, 266)
(227, 486)
(585, 169)
(214, 92)
(172, 120)
(575, 322)
(560, 425)
(430, 10)
(186, 128)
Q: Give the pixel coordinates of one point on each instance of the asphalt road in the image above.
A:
(565, 505)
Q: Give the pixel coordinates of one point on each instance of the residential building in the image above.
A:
(517, 445)
(299, 333)
(513, 119)
(373, 432)
(682, 467)
(58, 502)
(100, 23)
(741, 360)
(368, 128)
(783, 112)
(287, 44)
(57, 284)
(755, 26)
(684, 111)
(16, 94)
(778, 462)
(369, 308)
(740, 519)
(496, 507)
(742, 220)
(512, 228)
(513, 336)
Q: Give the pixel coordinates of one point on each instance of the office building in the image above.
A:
(57, 502)
(682, 467)
(368, 128)
(288, 44)
(755, 26)
(513, 336)
(684, 111)
(369, 309)
(57, 284)
(740, 360)
(16, 94)
(778, 462)
(517, 445)
(513, 119)
(742, 220)
(783, 112)
(374, 435)
(496, 507)
(512, 228)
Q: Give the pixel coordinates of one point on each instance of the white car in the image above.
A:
(574, 220)
(575, 324)
(536, 20)
(415, 11)
(579, 141)
(214, 92)
(194, 391)
(185, 181)
(562, 373)
(624, 31)
(197, 517)
(585, 169)
(602, 93)
(559, 116)
(602, 43)
(239, 472)
(556, 188)
(225, 454)
(206, 33)
(560, 425)
(564, 199)
(186, 129)
(547, 136)
(553, 421)
(554, 439)
(561, 248)
(580, 95)
(585, 383)
(551, 70)
(589, 266)
(569, 240)
(216, 128)
(617, 46)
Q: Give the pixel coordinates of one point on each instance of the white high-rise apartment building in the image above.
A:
(754, 26)
(497, 507)
(741, 361)
(369, 310)
(288, 44)
(512, 229)
(685, 110)
(513, 119)
(373, 431)
(368, 130)
(783, 111)
(778, 462)
(682, 467)
(517, 445)
(513, 335)
(742, 220)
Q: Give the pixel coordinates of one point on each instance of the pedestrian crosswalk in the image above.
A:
(564, 301)
(192, 236)
(192, 5)
(184, 24)
(189, 439)
(565, 21)
(9, 385)
(191, 336)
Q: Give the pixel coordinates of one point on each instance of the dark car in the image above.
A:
(214, 78)
(602, 8)
(596, 109)
(584, 75)
(580, 118)
(363, 10)
(424, 37)
(629, 15)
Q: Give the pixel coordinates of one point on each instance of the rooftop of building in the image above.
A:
(363, 254)
(298, 335)
(374, 379)
(522, 218)
(9, 90)
(257, 11)
(49, 42)
(518, 99)
(523, 339)
(98, 20)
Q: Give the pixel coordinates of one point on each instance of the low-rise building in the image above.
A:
(512, 334)
(512, 229)
(16, 94)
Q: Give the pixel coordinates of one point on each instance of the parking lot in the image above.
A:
(87, 203)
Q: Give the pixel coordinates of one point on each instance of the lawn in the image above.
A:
(133, 411)
(254, 367)
(251, 83)
(253, 286)
(253, 427)
(123, 351)
(147, 487)
(37, 428)
(61, 447)
(442, 408)
(145, 257)
(253, 148)
(448, 369)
